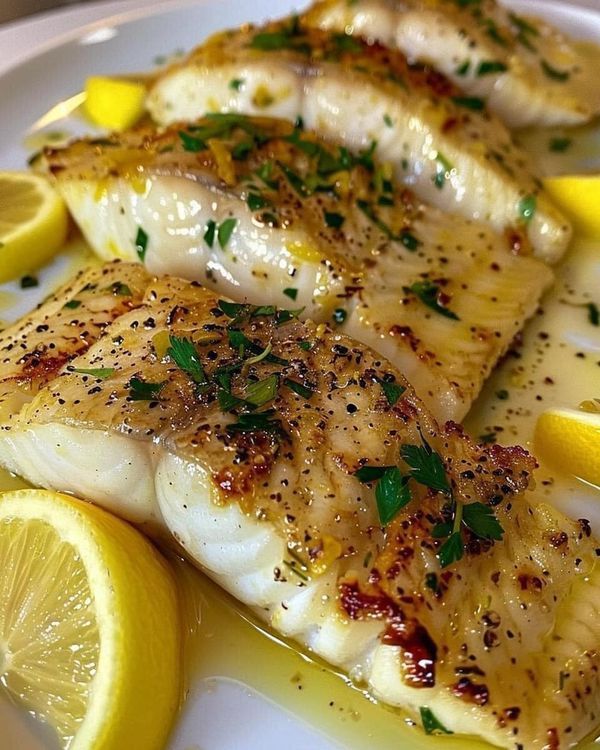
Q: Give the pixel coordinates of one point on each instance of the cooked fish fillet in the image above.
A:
(444, 145)
(34, 350)
(528, 72)
(241, 430)
(441, 296)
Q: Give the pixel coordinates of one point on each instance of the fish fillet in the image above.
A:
(241, 430)
(528, 72)
(440, 142)
(310, 225)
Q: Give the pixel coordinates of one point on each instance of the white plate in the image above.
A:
(225, 708)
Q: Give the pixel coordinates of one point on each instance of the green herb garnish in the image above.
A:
(428, 293)
(185, 355)
(290, 292)
(260, 392)
(391, 494)
(527, 208)
(554, 73)
(236, 84)
(28, 282)
(392, 391)
(426, 467)
(473, 103)
(481, 520)
(333, 219)
(72, 304)
(209, 232)
(339, 315)
(432, 725)
(593, 313)
(299, 388)
(225, 231)
(559, 145)
(141, 243)
(140, 390)
(98, 372)
(486, 67)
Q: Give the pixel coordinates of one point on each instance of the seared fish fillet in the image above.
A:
(528, 72)
(439, 295)
(300, 471)
(34, 350)
(441, 143)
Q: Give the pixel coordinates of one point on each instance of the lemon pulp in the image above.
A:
(33, 223)
(89, 624)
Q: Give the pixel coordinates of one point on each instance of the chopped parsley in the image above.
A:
(593, 313)
(486, 67)
(140, 390)
(72, 304)
(291, 292)
(339, 315)
(225, 231)
(191, 142)
(473, 103)
(431, 724)
(255, 201)
(527, 208)
(554, 73)
(481, 520)
(388, 120)
(392, 492)
(463, 68)
(333, 219)
(299, 388)
(429, 294)
(222, 232)
(426, 467)
(141, 243)
(392, 391)
(502, 394)
(184, 354)
(209, 232)
(260, 392)
(236, 84)
(98, 372)
(559, 145)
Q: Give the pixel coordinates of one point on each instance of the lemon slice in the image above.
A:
(89, 629)
(579, 197)
(570, 440)
(33, 223)
(114, 103)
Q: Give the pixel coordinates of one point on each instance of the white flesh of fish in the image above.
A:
(501, 644)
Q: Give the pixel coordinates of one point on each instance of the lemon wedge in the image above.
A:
(579, 197)
(114, 103)
(570, 440)
(89, 624)
(33, 223)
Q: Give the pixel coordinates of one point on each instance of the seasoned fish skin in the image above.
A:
(440, 143)
(276, 515)
(528, 72)
(325, 231)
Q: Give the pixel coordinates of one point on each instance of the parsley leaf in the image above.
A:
(140, 390)
(559, 145)
(209, 232)
(72, 304)
(431, 724)
(392, 391)
(391, 493)
(263, 421)
(299, 388)
(593, 314)
(451, 550)
(473, 103)
(225, 231)
(333, 219)
(183, 352)
(481, 520)
(486, 67)
(554, 73)
(141, 243)
(98, 372)
(428, 293)
(368, 474)
(27, 282)
(291, 292)
(426, 467)
(527, 208)
(262, 391)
